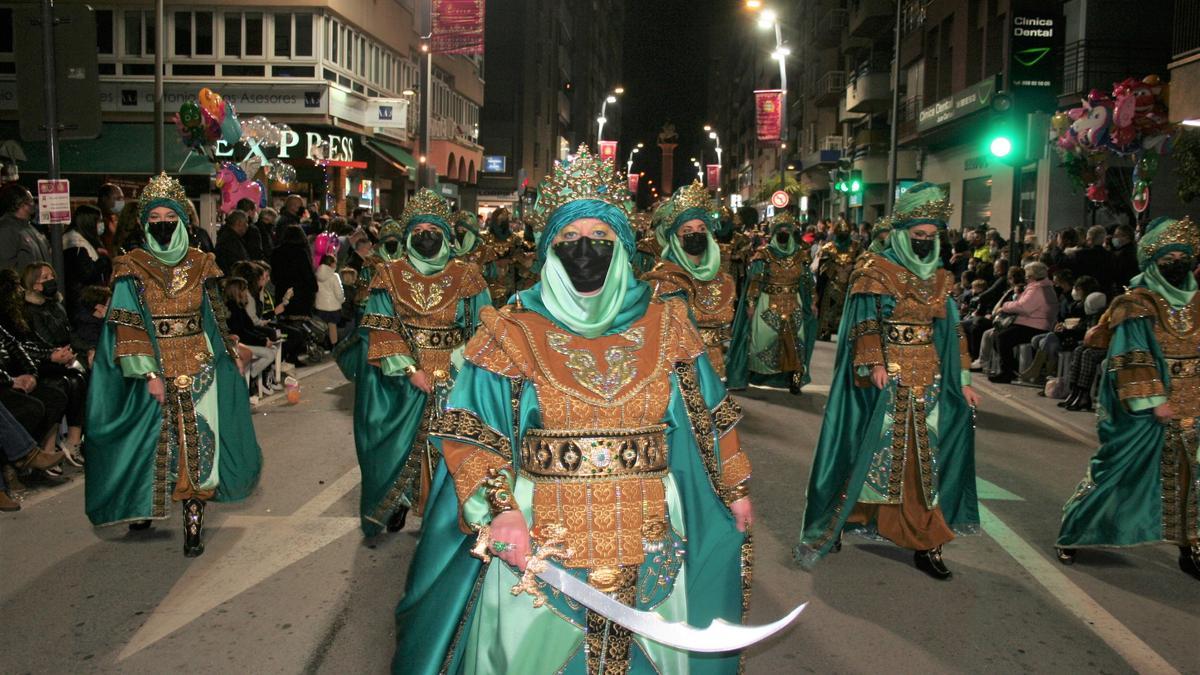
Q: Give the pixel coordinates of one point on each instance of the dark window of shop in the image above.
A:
(139, 33)
(283, 35)
(105, 44)
(193, 34)
(977, 202)
(1028, 196)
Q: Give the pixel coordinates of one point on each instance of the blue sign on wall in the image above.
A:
(495, 164)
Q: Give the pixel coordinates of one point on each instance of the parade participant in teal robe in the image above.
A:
(422, 309)
(1143, 484)
(775, 327)
(168, 413)
(835, 263)
(584, 362)
(896, 453)
(351, 352)
(879, 237)
(471, 246)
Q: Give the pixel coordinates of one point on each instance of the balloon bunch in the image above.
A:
(209, 119)
(236, 185)
(1129, 122)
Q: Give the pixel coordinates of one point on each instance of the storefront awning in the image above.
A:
(119, 149)
(394, 154)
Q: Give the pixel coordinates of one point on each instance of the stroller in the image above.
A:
(303, 337)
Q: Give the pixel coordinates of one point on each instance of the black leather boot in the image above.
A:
(139, 525)
(1189, 560)
(1084, 402)
(794, 382)
(1070, 399)
(1066, 556)
(193, 527)
(396, 522)
(930, 562)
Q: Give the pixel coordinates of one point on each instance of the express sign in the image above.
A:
(316, 147)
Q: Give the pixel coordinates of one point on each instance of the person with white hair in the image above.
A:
(1035, 310)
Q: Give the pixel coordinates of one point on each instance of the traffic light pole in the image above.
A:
(1015, 230)
(50, 93)
(893, 160)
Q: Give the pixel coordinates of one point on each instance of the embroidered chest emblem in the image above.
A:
(620, 361)
(1179, 319)
(175, 279)
(710, 297)
(425, 296)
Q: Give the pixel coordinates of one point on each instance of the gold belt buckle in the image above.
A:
(183, 382)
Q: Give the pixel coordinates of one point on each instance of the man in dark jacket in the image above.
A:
(1124, 259)
(1093, 259)
(20, 242)
(231, 249)
(252, 239)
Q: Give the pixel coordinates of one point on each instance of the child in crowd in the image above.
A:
(330, 296)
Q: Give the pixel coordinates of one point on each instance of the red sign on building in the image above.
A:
(608, 151)
(713, 179)
(768, 107)
(458, 26)
(634, 180)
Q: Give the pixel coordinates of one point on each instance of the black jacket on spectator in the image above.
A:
(80, 270)
(1093, 261)
(231, 249)
(240, 325)
(989, 298)
(14, 360)
(253, 242)
(1124, 268)
(266, 237)
(291, 267)
(87, 327)
(198, 238)
(48, 321)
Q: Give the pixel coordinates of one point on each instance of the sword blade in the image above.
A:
(719, 636)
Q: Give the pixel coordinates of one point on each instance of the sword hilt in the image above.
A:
(553, 544)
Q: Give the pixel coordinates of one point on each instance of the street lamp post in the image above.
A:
(767, 18)
(629, 162)
(712, 133)
(602, 119)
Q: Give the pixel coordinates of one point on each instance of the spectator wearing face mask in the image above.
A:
(1036, 310)
(85, 261)
(110, 199)
(231, 245)
(20, 242)
(1124, 259)
(1093, 259)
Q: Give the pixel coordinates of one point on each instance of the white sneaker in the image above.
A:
(253, 401)
(977, 365)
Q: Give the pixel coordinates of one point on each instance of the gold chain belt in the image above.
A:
(715, 335)
(434, 338)
(775, 289)
(1185, 367)
(176, 325)
(594, 453)
(908, 333)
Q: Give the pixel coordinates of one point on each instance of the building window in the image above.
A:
(105, 43)
(283, 35)
(193, 34)
(977, 202)
(139, 33)
(243, 34)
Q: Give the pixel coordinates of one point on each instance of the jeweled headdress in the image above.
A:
(425, 202)
(586, 177)
(391, 228)
(923, 203)
(1164, 235)
(162, 188)
(784, 218)
(694, 196)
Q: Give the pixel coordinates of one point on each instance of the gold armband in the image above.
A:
(498, 493)
(409, 371)
(739, 491)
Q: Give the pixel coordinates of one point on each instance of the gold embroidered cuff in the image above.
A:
(1139, 388)
(735, 470)
(726, 415)
(739, 491)
(498, 492)
(868, 327)
(465, 426)
(1130, 359)
(132, 342)
(473, 471)
(387, 347)
(125, 317)
(868, 351)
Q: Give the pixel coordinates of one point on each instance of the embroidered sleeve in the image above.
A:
(495, 344)
(132, 339)
(472, 281)
(1137, 375)
(212, 288)
(726, 415)
(682, 334)
(384, 338)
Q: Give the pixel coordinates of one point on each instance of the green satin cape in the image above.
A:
(123, 424)
(751, 334)
(851, 427)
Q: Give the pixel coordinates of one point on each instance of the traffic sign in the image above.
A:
(780, 199)
(54, 201)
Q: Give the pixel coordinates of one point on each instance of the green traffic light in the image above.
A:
(1001, 146)
(855, 186)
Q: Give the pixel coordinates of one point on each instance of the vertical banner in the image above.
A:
(634, 179)
(713, 179)
(458, 26)
(54, 202)
(768, 113)
(608, 151)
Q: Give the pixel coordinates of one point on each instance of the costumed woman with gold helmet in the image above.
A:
(896, 454)
(168, 414)
(422, 309)
(835, 262)
(1143, 484)
(691, 268)
(588, 422)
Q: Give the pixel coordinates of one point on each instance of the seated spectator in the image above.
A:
(252, 238)
(83, 263)
(330, 296)
(198, 237)
(980, 320)
(1064, 283)
(292, 269)
(16, 448)
(259, 341)
(37, 404)
(1093, 259)
(1015, 283)
(20, 242)
(1067, 333)
(1036, 311)
(1085, 361)
(89, 318)
(231, 249)
(1124, 259)
(46, 332)
(266, 230)
(968, 302)
(129, 231)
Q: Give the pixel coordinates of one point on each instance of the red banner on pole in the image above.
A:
(457, 26)
(634, 179)
(768, 107)
(713, 180)
(608, 151)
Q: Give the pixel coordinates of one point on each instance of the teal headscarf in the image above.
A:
(710, 261)
(471, 239)
(436, 263)
(1164, 236)
(390, 230)
(879, 245)
(177, 249)
(922, 204)
(777, 223)
(621, 300)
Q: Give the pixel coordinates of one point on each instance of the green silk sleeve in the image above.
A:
(124, 297)
(379, 302)
(953, 319)
(1130, 338)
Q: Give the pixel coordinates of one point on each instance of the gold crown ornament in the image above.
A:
(391, 228)
(425, 202)
(782, 218)
(587, 176)
(162, 186)
(694, 196)
(1169, 233)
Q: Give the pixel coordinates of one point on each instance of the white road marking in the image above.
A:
(262, 546)
(992, 492)
(1107, 627)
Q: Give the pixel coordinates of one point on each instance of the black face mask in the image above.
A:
(427, 243)
(695, 243)
(391, 246)
(586, 262)
(50, 288)
(1176, 271)
(922, 248)
(502, 228)
(782, 237)
(460, 235)
(163, 231)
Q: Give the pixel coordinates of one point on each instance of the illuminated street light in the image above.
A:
(602, 119)
(767, 18)
(754, 4)
(619, 90)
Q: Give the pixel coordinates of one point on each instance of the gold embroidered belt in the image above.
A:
(176, 325)
(908, 333)
(715, 335)
(1184, 367)
(776, 289)
(434, 338)
(594, 453)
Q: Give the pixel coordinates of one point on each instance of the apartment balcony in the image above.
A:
(829, 87)
(828, 152)
(828, 32)
(871, 18)
(869, 92)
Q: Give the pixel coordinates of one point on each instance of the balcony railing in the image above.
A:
(832, 143)
(869, 18)
(829, 87)
(1187, 29)
(1097, 64)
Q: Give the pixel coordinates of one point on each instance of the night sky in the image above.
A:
(666, 63)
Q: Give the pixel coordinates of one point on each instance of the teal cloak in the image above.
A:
(440, 611)
(752, 333)
(854, 427)
(123, 428)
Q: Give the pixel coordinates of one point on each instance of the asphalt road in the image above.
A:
(288, 585)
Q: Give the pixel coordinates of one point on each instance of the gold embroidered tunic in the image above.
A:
(712, 304)
(833, 273)
(513, 261)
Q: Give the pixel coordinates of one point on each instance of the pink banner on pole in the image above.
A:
(634, 180)
(768, 107)
(458, 26)
(608, 151)
(713, 180)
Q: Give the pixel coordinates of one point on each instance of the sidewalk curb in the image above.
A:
(275, 399)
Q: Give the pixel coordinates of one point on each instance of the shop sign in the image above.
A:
(970, 100)
(458, 26)
(1035, 45)
(495, 164)
(258, 99)
(975, 163)
(390, 113)
(608, 151)
(303, 144)
(634, 181)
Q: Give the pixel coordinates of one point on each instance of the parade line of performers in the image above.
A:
(564, 395)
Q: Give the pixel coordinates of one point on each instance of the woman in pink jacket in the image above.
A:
(1036, 311)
